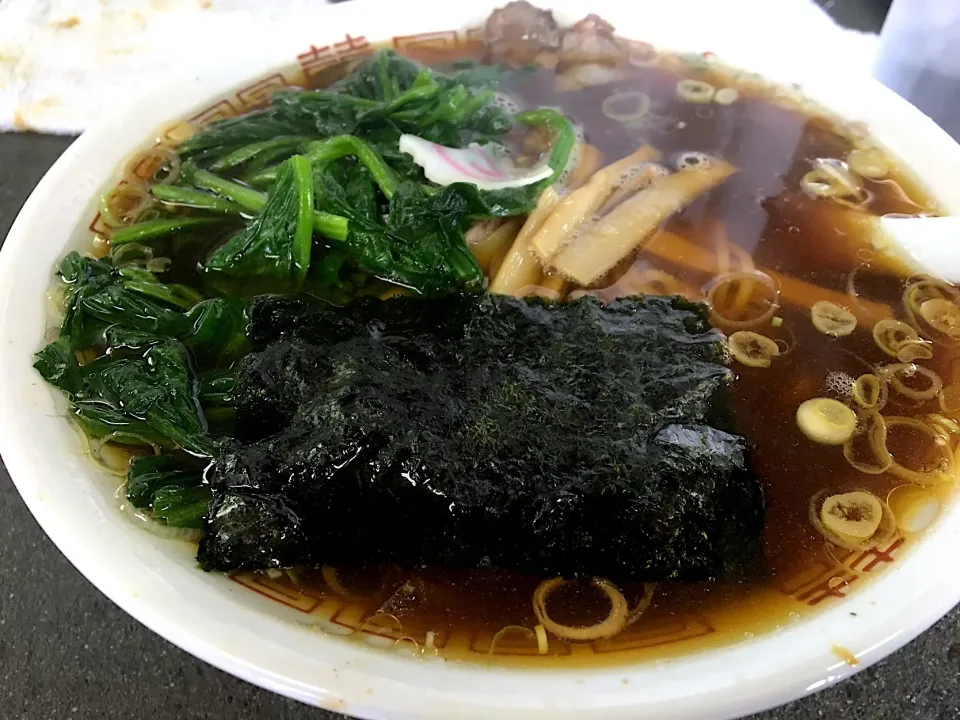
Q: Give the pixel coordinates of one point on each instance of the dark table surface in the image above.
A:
(68, 652)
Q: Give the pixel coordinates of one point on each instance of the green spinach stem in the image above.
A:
(188, 197)
(332, 226)
(564, 137)
(153, 229)
(342, 145)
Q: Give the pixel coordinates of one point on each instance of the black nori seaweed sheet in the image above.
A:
(571, 439)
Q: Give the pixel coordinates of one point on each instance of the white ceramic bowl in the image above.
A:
(236, 630)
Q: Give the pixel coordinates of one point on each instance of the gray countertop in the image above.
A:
(68, 652)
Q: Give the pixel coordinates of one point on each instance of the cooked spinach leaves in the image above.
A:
(141, 389)
(272, 253)
(309, 196)
(407, 230)
(171, 487)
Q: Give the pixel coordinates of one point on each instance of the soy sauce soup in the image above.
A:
(759, 218)
(791, 228)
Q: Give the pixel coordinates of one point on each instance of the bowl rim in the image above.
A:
(323, 671)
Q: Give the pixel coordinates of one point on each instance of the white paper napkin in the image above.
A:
(63, 63)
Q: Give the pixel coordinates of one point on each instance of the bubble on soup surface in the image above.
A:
(839, 383)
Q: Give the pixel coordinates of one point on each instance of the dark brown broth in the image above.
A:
(762, 210)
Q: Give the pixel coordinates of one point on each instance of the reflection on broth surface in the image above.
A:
(759, 204)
